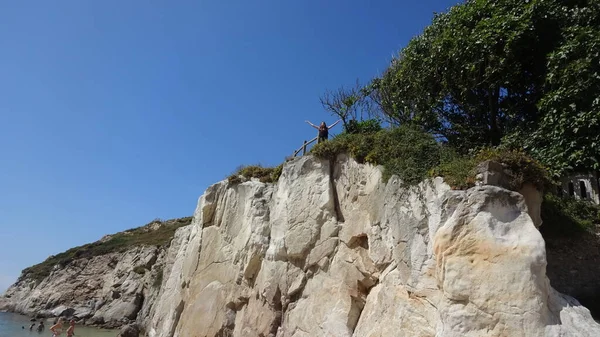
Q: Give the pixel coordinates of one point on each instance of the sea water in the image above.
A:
(11, 325)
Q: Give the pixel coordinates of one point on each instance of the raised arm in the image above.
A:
(311, 124)
(334, 124)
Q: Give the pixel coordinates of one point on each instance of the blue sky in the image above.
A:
(113, 113)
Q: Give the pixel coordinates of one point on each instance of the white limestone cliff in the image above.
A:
(331, 250)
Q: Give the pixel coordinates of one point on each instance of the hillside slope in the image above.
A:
(107, 283)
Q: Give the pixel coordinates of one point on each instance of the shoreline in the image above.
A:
(36, 317)
(16, 325)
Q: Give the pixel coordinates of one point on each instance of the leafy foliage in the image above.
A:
(568, 134)
(459, 171)
(488, 72)
(119, 242)
(414, 156)
(472, 75)
(403, 151)
(365, 126)
(337, 145)
(264, 174)
(568, 216)
(519, 165)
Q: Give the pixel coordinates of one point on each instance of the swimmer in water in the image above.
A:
(57, 328)
(40, 327)
(71, 329)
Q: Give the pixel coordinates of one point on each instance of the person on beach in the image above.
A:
(71, 329)
(40, 327)
(323, 130)
(31, 326)
(57, 328)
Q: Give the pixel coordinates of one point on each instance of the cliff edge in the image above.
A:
(332, 250)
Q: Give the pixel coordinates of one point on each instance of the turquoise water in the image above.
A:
(11, 326)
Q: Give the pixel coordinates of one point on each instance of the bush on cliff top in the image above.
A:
(414, 156)
(459, 171)
(120, 242)
(264, 174)
(403, 151)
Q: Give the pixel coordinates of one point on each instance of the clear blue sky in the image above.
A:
(113, 113)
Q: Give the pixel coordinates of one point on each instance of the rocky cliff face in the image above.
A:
(331, 250)
(107, 290)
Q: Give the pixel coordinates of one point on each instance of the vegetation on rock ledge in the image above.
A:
(491, 73)
(264, 174)
(518, 79)
(414, 155)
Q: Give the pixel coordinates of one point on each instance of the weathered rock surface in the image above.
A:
(331, 250)
(574, 267)
(108, 290)
(130, 330)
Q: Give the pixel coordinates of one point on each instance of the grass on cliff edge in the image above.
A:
(264, 174)
(119, 242)
(414, 156)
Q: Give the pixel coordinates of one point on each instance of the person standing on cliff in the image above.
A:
(323, 130)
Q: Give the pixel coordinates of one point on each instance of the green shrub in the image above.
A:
(365, 126)
(403, 151)
(264, 174)
(139, 270)
(331, 148)
(458, 171)
(520, 165)
(406, 152)
(413, 156)
(120, 242)
(568, 216)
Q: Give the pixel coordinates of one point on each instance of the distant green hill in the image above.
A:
(155, 233)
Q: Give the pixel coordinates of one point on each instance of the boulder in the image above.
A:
(130, 330)
(62, 311)
(83, 312)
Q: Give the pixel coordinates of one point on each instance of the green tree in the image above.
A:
(475, 73)
(490, 71)
(568, 135)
